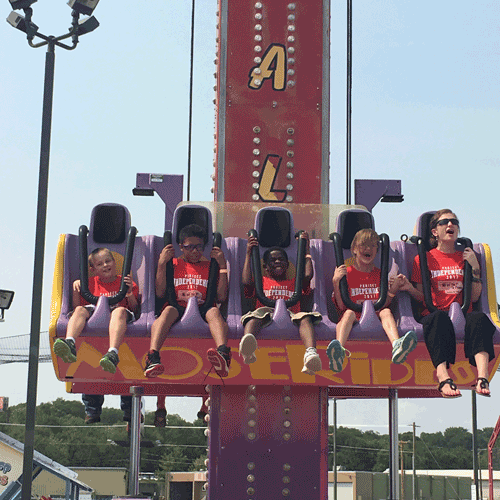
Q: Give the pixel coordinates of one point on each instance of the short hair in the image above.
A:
(363, 237)
(267, 254)
(192, 231)
(99, 250)
(433, 224)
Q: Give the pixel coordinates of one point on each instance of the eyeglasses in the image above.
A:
(444, 222)
(190, 248)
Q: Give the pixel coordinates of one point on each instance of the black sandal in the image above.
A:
(453, 387)
(483, 384)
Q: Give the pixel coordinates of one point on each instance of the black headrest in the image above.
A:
(350, 222)
(275, 228)
(109, 224)
(192, 215)
(424, 228)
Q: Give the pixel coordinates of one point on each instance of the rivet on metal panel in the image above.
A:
(256, 152)
(258, 16)
(256, 163)
(289, 187)
(289, 198)
(252, 410)
(291, 27)
(251, 465)
(251, 435)
(291, 38)
(289, 164)
(255, 197)
(291, 72)
(257, 60)
(287, 423)
(286, 479)
(256, 140)
(250, 491)
(290, 142)
(291, 61)
(258, 27)
(256, 185)
(291, 50)
(256, 173)
(275, 104)
(257, 48)
(289, 175)
(258, 38)
(256, 130)
(290, 153)
(287, 436)
(286, 467)
(290, 131)
(258, 5)
(250, 478)
(291, 6)
(285, 492)
(291, 83)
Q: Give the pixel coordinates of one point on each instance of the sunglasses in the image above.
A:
(444, 222)
(190, 248)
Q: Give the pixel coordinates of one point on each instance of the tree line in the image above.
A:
(62, 436)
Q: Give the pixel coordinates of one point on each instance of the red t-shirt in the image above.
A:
(362, 286)
(275, 290)
(190, 280)
(447, 276)
(98, 288)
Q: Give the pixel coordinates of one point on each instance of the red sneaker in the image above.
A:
(219, 361)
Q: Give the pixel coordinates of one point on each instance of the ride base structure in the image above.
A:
(268, 425)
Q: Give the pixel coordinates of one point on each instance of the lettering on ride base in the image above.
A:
(267, 179)
(273, 66)
(261, 369)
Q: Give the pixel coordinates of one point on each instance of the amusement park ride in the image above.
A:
(267, 421)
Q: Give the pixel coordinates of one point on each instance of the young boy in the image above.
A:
(190, 280)
(105, 282)
(277, 286)
(363, 280)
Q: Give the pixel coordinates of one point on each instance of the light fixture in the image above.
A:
(85, 7)
(143, 192)
(87, 25)
(19, 22)
(21, 4)
(6, 297)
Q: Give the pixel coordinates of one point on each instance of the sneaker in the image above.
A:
(220, 360)
(92, 419)
(248, 346)
(153, 364)
(160, 417)
(109, 361)
(312, 362)
(403, 346)
(65, 349)
(336, 354)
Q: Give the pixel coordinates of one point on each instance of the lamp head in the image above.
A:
(6, 297)
(19, 22)
(85, 7)
(21, 4)
(87, 25)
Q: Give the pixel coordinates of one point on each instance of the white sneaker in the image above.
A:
(312, 362)
(248, 346)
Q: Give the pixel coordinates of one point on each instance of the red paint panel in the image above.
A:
(265, 120)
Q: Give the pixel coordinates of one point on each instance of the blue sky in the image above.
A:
(425, 105)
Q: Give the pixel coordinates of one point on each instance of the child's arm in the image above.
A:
(415, 289)
(246, 275)
(218, 255)
(166, 255)
(339, 273)
(132, 301)
(76, 294)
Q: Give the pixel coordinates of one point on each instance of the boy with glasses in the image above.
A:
(190, 280)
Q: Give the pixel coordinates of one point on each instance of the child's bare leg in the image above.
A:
(344, 326)
(389, 324)
(117, 327)
(218, 327)
(306, 332)
(312, 361)
(253, 326)
(401, 347)
(76, 323)
(482, 359)
(161, 327)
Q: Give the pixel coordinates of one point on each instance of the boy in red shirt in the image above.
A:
(190, 280)
(277, 286)
(363, 280)
(105, 282)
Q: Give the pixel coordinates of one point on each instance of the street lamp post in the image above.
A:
(25, 24)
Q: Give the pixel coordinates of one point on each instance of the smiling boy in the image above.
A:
(276, 285)
(190, 280)
(363, 280)
(105, 282)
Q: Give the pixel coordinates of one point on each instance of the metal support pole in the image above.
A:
(348, 104)
(474, 442)
(36, 301)
(393, 445)
(334, 449)
(135, 441)
(414, 482)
